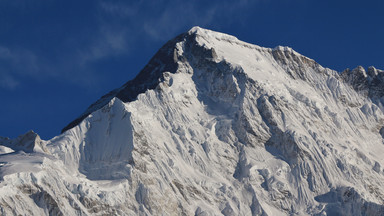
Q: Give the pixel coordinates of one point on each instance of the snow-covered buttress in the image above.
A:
(212, 126)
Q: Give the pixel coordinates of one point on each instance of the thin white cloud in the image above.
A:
(177, 16)
(19, 58)
(8, 82)
(119, 8)
(121, 24)
(108, 42)
(16, 63)
(5, 53)
(161, 20)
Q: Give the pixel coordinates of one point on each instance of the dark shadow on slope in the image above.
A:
(346, 201)
(148, 78)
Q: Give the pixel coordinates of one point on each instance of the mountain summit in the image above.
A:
(212, 126)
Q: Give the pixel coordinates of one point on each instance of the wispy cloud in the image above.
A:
(16, 63)
(117, 26)
(160, 20)
(21, 60)
(8, 82)
(108, 42)
(122, 9)
(175, 17)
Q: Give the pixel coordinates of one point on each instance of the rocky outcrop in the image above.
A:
(369, 82)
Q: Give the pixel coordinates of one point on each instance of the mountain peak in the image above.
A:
(213, 125)
(210, 33)
(218, 48)
(28, 142)
(212, 48)
(197, 30)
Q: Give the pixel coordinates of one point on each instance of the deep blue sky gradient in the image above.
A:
(57, 57)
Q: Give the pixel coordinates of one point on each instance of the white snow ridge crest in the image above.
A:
(211, 126)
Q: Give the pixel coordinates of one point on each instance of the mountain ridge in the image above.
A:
(228, 128)
(132, 88)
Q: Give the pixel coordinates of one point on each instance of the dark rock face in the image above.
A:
(295, 65)
(165, 60)
(148, 78)
(370, 83)
(346, 201)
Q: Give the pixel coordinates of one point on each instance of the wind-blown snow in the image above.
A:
(232, 129)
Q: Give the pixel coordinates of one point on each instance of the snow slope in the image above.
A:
(212, 126)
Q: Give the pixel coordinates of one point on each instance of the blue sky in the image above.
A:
(57, 57)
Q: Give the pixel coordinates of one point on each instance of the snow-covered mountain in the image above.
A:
(211, 126)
